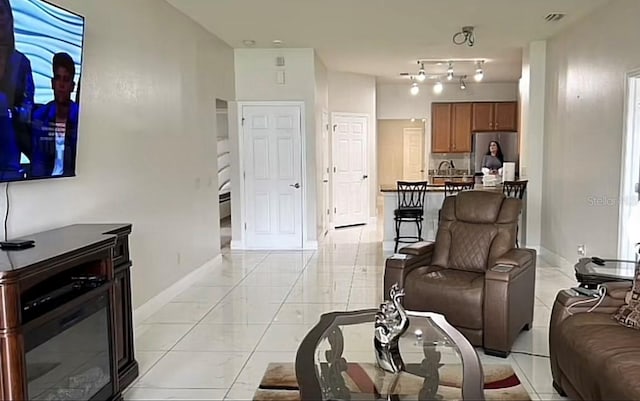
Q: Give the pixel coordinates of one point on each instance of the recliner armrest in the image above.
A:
(418, 248)
(399, 265)
(610, 303)
(418, 254)
(511, 264)
(618, 289)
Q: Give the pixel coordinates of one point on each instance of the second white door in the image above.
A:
(350, 176)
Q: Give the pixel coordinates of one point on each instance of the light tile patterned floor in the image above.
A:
(214, 340)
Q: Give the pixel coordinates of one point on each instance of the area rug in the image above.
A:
(500, 383)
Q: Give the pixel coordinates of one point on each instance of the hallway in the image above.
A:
(215, 340)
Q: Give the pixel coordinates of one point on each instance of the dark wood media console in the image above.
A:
(66, 327)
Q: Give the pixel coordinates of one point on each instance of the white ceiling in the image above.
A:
(385, 37)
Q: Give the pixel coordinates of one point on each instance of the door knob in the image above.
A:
(325, 180)
(364, 177)
(296, 185)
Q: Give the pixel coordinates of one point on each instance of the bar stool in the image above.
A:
(452, 188)
(410, 209)
(515, 189)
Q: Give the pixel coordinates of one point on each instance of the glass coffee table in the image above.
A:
(589, 274)
(336, 361)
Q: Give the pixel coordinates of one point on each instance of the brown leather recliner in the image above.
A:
(592, 356)
(472, 274)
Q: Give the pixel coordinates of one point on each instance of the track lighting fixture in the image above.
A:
(434, 73)
(465, 36)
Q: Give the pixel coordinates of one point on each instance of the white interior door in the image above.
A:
(629, 223)
(326, 203)
(412, 169)
(273, 176)
(350, 176)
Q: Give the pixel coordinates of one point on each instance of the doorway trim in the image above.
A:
(334, 114)
(327, 218)
(242, 244)
(631, 94)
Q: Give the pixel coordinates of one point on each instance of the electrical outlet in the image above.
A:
(582, 251)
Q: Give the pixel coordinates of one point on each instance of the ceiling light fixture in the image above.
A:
(249, 42)
(468, 69)
(421, 74)
(479, 73)
(465, 36)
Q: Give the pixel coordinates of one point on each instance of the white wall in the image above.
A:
(532, 105)
(356, 93)
(321, 105)
(256, 81)
(586, 67)
(147, 146)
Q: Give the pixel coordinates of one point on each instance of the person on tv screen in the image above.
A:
(16, 99)
(55, 125)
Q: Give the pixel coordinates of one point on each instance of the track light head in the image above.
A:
(463, 85)
(422, 75)
(438, 88)
(415, 89)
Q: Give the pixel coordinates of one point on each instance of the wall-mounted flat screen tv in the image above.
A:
(40, 69)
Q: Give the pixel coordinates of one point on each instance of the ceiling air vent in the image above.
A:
(553, 17)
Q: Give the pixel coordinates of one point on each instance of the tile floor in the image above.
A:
(214, 340)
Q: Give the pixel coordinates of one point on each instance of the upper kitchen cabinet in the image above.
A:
(441, 127)
(451, 127)
(496, 116)
(461, 133)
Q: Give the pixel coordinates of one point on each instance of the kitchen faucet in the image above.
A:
(447, 162)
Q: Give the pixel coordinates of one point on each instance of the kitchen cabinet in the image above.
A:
(451, 127)
(495, 116)
(441, 127)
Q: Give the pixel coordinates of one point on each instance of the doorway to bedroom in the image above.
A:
(224, 172)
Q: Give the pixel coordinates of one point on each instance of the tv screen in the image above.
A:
(40, 69)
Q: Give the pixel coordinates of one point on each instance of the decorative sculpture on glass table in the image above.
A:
(391, 322)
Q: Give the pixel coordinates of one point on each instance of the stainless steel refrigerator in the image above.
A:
(508, 143)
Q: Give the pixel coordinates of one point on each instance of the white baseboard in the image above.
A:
(310, 245)
(236, 244)
(554, 259)
(144, 311)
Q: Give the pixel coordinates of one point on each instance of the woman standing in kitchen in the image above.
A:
(493, 160)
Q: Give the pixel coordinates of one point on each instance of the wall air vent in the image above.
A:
(553, 17)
